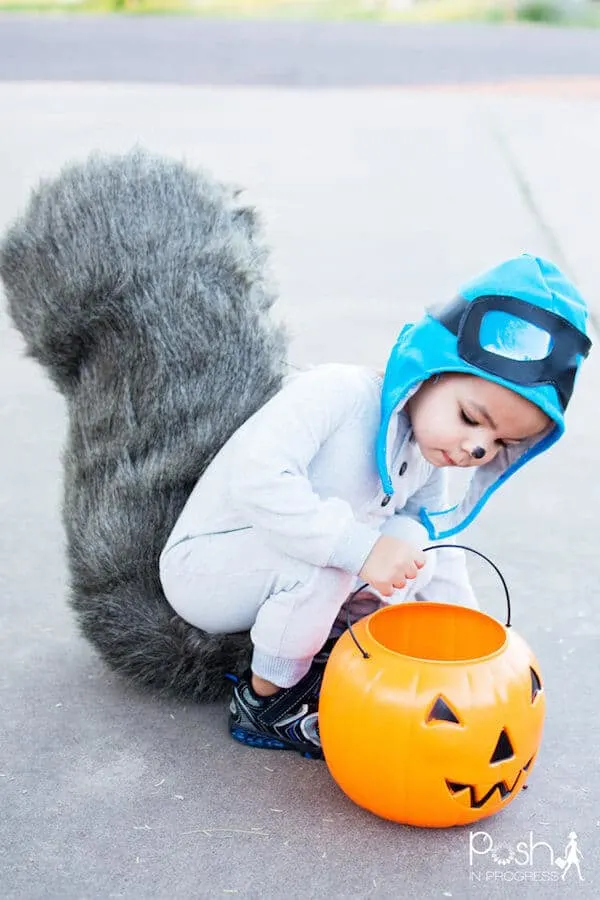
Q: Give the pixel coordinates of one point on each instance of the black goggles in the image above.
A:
(516, 340)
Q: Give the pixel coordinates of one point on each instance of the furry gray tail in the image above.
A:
(140, 285)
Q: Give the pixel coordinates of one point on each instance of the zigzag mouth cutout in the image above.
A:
(504, 789)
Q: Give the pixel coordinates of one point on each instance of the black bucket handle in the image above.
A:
(425, 549)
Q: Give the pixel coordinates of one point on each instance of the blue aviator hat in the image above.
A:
(522, 325)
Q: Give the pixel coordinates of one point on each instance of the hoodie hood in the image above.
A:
(522, 325)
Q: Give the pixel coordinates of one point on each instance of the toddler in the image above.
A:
(341, 479)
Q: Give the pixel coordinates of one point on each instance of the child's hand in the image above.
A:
(390, 563)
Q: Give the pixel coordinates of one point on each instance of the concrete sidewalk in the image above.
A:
(376, 202)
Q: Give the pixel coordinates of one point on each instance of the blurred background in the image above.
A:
(571, 12)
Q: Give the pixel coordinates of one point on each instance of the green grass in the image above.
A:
(551, 12)
(309, 9)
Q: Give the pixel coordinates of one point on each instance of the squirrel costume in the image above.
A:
(140, 285)
(192, 468)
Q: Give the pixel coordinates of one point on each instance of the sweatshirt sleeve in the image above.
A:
(271, 484)
(450, 582)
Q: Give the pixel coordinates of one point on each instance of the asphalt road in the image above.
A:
(211, 52)
(377, 202)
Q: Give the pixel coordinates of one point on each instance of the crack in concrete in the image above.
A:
(527, 195)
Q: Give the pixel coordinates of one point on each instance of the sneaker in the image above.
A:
(285, 721)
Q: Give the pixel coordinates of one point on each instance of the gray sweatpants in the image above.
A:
(233, 581)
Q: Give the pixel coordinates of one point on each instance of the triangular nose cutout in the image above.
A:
(503, 749)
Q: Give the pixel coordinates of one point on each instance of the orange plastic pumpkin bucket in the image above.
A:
(431, 714)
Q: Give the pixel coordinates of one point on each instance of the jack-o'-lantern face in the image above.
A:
(505, 764)
(441, 723)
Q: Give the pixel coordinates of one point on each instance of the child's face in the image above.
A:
(452, 416)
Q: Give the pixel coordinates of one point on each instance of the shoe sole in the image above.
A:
(250, 739)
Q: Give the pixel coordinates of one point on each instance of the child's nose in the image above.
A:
(476, 448)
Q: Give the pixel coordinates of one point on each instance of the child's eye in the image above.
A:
(467, 419)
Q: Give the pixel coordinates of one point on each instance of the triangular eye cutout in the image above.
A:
(441, 712)
(504, 749)
(536, 684)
